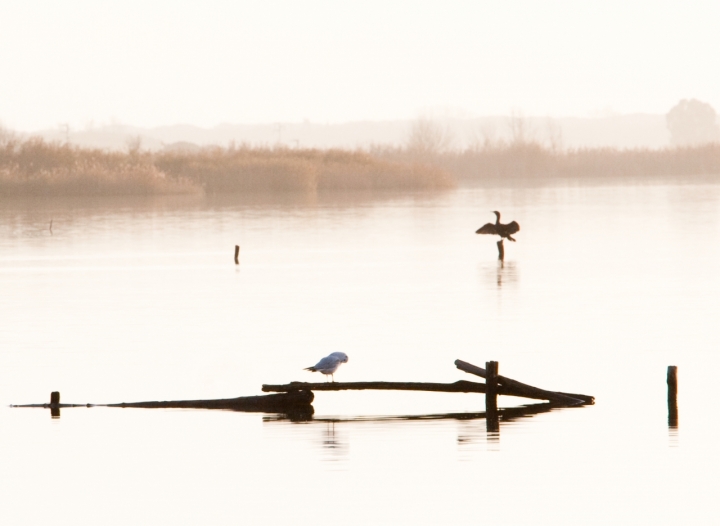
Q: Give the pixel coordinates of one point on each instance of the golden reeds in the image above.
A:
(35, 167)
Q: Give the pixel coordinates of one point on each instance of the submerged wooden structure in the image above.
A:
(294, 400)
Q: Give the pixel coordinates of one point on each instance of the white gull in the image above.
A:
(329, 364)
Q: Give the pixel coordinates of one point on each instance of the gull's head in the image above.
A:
(341, 356)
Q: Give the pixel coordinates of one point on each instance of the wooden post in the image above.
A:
(55, 404)
(491, 392)
(501, 250)
(237, 254)
(672, 396)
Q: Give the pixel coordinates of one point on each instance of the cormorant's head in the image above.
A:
(497, 214)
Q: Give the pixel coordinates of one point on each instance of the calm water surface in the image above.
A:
(132, 300)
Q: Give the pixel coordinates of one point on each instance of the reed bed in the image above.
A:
(226, 170)
(38, 168)
(34, 167)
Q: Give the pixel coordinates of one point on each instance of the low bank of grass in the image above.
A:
(528, 160)
(34, 167)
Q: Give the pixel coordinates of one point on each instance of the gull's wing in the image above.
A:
(327, 362)
(512, 227)
(489, 228)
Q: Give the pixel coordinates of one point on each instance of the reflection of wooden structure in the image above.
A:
(507, 414)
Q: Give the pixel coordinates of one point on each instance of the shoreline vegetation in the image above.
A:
(36, 167)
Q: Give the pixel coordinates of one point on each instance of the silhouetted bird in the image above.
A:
(329, 364)
(498, 229)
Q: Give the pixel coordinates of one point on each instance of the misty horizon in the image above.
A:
(161, 63)
(639, 130)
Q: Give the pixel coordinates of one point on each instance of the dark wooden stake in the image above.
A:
(55, 404)
(491, 391)
(491, 384)
(237, 254)
(501, 250)
(672, 396)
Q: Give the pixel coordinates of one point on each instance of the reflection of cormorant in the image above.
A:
(498, 229)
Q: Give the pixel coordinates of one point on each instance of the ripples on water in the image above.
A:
(139, 299)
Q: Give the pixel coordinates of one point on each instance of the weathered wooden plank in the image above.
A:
(263, 403)
(512, 387)
(461, 386)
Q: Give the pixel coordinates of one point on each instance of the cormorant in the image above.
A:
(498, 229)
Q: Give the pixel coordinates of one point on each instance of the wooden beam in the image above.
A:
(461, 386)
(512, 387)
(263, 404)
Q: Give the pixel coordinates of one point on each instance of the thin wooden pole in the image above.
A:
(672, 396)
(461, 386)
(237, 254)
(501, 250)
(491, 392)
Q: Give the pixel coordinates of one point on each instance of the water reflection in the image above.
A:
(337, 445)
(504, 273)
(332, 443)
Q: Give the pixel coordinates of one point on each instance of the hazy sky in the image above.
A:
(208, 62)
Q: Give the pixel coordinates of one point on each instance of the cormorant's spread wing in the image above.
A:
(488, 228)
(512, 227)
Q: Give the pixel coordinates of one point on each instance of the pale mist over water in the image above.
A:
(139, 299)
